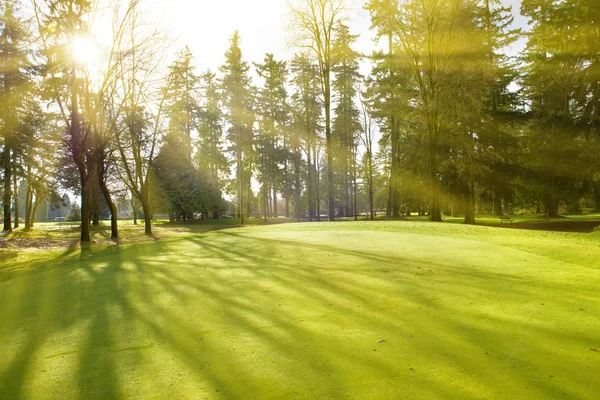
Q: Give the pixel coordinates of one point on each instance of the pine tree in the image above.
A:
(558, 70)
(210, 157)
(346, 123)
(238, 100)
(14, 64)
(273, 140)
(384, 20)
(307, 107)
(182, 103)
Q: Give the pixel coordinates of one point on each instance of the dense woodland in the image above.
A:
(445, 122)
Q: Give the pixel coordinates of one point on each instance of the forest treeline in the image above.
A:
(445, 121)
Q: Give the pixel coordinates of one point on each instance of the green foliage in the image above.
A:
(210, 156)
(238, 99)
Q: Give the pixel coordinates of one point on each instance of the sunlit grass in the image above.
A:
(345, 310)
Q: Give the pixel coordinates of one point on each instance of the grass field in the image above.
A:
(349, 310)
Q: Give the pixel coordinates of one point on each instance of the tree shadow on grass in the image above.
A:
(229, 315)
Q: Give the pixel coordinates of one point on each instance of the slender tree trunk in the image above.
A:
(133, 209)
(275, 214)
(265, 201)
(16, 192)
(598, 196)
(298, 194)
(317, 185)
(370, 182)
(435, 213)
(28, 206)
(309, 185)
(355, 211)
(148, 219)
(388, 210)
(394, 170)
(114, 229)
(36, 204)
(286, 188)
(7, 199)
(96, 216)
(497, 204)
(393, 201)
(329, 148)
(85, 210)
(240, 175)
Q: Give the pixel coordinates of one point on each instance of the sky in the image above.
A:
(206, 26)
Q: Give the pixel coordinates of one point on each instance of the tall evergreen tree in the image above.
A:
(558, 68)
(385, 17)
(182, 107)
(13, 96)
(346, 123)
(210, 157)
(307, 110)
(316, 21)
(273, 140)
(238, 100)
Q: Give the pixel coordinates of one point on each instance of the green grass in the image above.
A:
(380, 310)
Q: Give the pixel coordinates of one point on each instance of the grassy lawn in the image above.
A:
(349, 310)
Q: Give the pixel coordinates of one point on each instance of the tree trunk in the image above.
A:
(275, 214)
(394, 171)
(28, 206)
(469, 197)
(265, 201)
(371, 205)
(240, 174)
(15, 193)
(7, 199)
(317, 187)
(309, 185)
(85, 210)
(133, 209)
(286, 188)
(393, 192)
(598, 196)
(147, 217)
(329, 149)
(114, 229)
(298, 193)
(36, 203)
(355, 211)
(497, 204)
(551, 208)
(435, 213)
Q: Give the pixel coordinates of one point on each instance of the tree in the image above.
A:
(273, 138)
(384, 20)
(561, 85)
(437, 39)
(367, 137)
(238, 100)
(307, 110)
(210, 157)
(14, 65)
(316, 21)
(139, 114)
(182, 106)
(346, 123)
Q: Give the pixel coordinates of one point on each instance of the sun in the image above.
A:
(85, 51)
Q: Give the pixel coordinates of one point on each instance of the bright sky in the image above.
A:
(207, 25)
